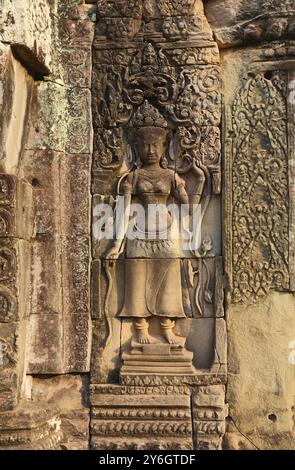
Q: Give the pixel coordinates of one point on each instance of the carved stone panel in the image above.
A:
(154, 418)
(209, 413)
(14, 285)
(157, 302)
(258, 204)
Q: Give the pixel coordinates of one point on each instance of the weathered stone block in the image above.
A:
(15, 207)
(261, 375)
(143, 418)
(209, 413)
(29, 24)
(76, 33)
(42, 169)
(70, 394)
(48, 117)
(46, 286)
(45, 344)
(30, 427)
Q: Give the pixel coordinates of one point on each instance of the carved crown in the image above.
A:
(148, 116)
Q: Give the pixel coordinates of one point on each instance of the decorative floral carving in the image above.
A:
(7, 188)
(109, 8)
(178, 27)
(260, 242)
(187, 95)
(176, 7)
(108, 148)
(7, 306)
(192, 55)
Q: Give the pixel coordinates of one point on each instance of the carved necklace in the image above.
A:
(152, 175)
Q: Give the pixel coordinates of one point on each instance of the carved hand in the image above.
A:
(113, 252)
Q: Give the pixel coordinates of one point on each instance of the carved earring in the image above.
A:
(164, 162)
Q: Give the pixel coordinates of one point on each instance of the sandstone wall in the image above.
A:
(46, 136)
(257, 57)
(62, 69)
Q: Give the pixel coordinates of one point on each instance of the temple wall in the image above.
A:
(76, 80)
(257, 61)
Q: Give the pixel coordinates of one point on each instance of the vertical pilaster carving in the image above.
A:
(257, 135)
(15, 202)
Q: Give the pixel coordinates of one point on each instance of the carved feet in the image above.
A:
(142, 328)
(167, 326)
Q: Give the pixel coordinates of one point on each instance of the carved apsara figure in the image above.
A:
(153, 282)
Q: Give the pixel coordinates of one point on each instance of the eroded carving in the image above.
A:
(156, 115)
(153, 183)
(260, 189)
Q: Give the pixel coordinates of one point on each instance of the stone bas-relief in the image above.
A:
(260, 249)
(156, 115)
(259, 263)
(153, 285)
(242, 22)
(121, 342)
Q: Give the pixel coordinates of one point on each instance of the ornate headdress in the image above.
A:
(148, 116)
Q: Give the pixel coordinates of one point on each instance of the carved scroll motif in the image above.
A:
(188, 97)
(260, 224)
(177, 19)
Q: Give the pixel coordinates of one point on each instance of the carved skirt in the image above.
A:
(153, 288)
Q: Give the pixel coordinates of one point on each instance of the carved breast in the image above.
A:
(157, 184)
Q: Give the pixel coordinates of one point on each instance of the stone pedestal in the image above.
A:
(157, 358)
(170, 417)
(140, 418)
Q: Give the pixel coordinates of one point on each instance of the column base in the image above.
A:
(159, 359)
(30, 427)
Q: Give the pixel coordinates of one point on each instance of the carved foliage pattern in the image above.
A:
(188, 97)
(8, 291)
(260, 189)
(177, 19)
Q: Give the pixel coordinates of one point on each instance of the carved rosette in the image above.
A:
(15, 227)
